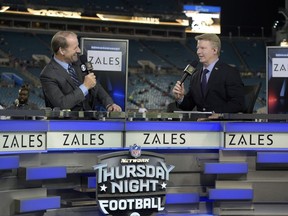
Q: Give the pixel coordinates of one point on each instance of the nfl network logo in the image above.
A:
(135, 151)
(132, 186)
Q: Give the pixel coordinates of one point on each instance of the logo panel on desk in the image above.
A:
(132, 183)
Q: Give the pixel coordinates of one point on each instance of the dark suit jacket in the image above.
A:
(60, 91)
(225, 93)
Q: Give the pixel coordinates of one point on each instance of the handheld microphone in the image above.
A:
(189, 70)
(86, 67)
(16, 102)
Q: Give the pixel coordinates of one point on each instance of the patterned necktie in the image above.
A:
(204, 81)
(73, 75)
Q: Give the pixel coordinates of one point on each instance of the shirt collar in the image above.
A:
(211, 66)
(63, 64)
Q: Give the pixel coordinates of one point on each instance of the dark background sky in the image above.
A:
(251, 15)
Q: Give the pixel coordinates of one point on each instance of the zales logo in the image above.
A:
(279, 67)
(105, 60)
(131, 184)
(235, 140)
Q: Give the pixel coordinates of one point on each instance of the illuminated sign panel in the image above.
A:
(203, 19)
(256, 141)
(22, 141)
(55, 13)
(133, 19)
(105, 60)
(83, 140)
(277, 74)
(109, 59)
(174, 139)
(279, 67)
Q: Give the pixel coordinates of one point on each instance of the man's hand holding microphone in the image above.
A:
(179, 89)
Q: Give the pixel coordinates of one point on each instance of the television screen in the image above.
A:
(109, 58)
(203, 19)
(277, 79)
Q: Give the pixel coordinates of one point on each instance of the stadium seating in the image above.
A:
(163, 54)
(252, 51)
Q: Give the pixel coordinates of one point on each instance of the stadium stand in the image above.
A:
(167, 50)
(157, 56)
(159, 53)
(252, 51)
(138, 51)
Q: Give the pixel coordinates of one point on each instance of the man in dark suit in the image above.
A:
(215, 86)
(64, 85)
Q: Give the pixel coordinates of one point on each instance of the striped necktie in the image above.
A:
(73, 75)
(204, 81)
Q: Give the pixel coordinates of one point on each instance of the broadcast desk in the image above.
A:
(231, 165)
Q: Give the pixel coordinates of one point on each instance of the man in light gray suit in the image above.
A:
(71, 90)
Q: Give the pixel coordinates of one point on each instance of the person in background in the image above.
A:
(63, 83)
(22, 101)
(3, 117)
(215, 86)
(142, 109)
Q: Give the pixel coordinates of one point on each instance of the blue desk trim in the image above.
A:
(23, 125)
(231, 194)
(9, 162)
(226, 168)
(91, 182)
(182, 198)
(84, 149)
(37, 204)
(22, 152)
(272, 157)
(174, 126)
(254, 127)
(38, 173)
(86, 125)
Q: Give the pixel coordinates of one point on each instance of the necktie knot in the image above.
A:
(205, 71)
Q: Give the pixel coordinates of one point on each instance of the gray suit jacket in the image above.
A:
(60, 91)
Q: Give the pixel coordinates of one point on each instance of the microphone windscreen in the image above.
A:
(191, 67)
(89, 66)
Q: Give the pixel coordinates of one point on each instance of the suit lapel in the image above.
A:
(64, 73)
